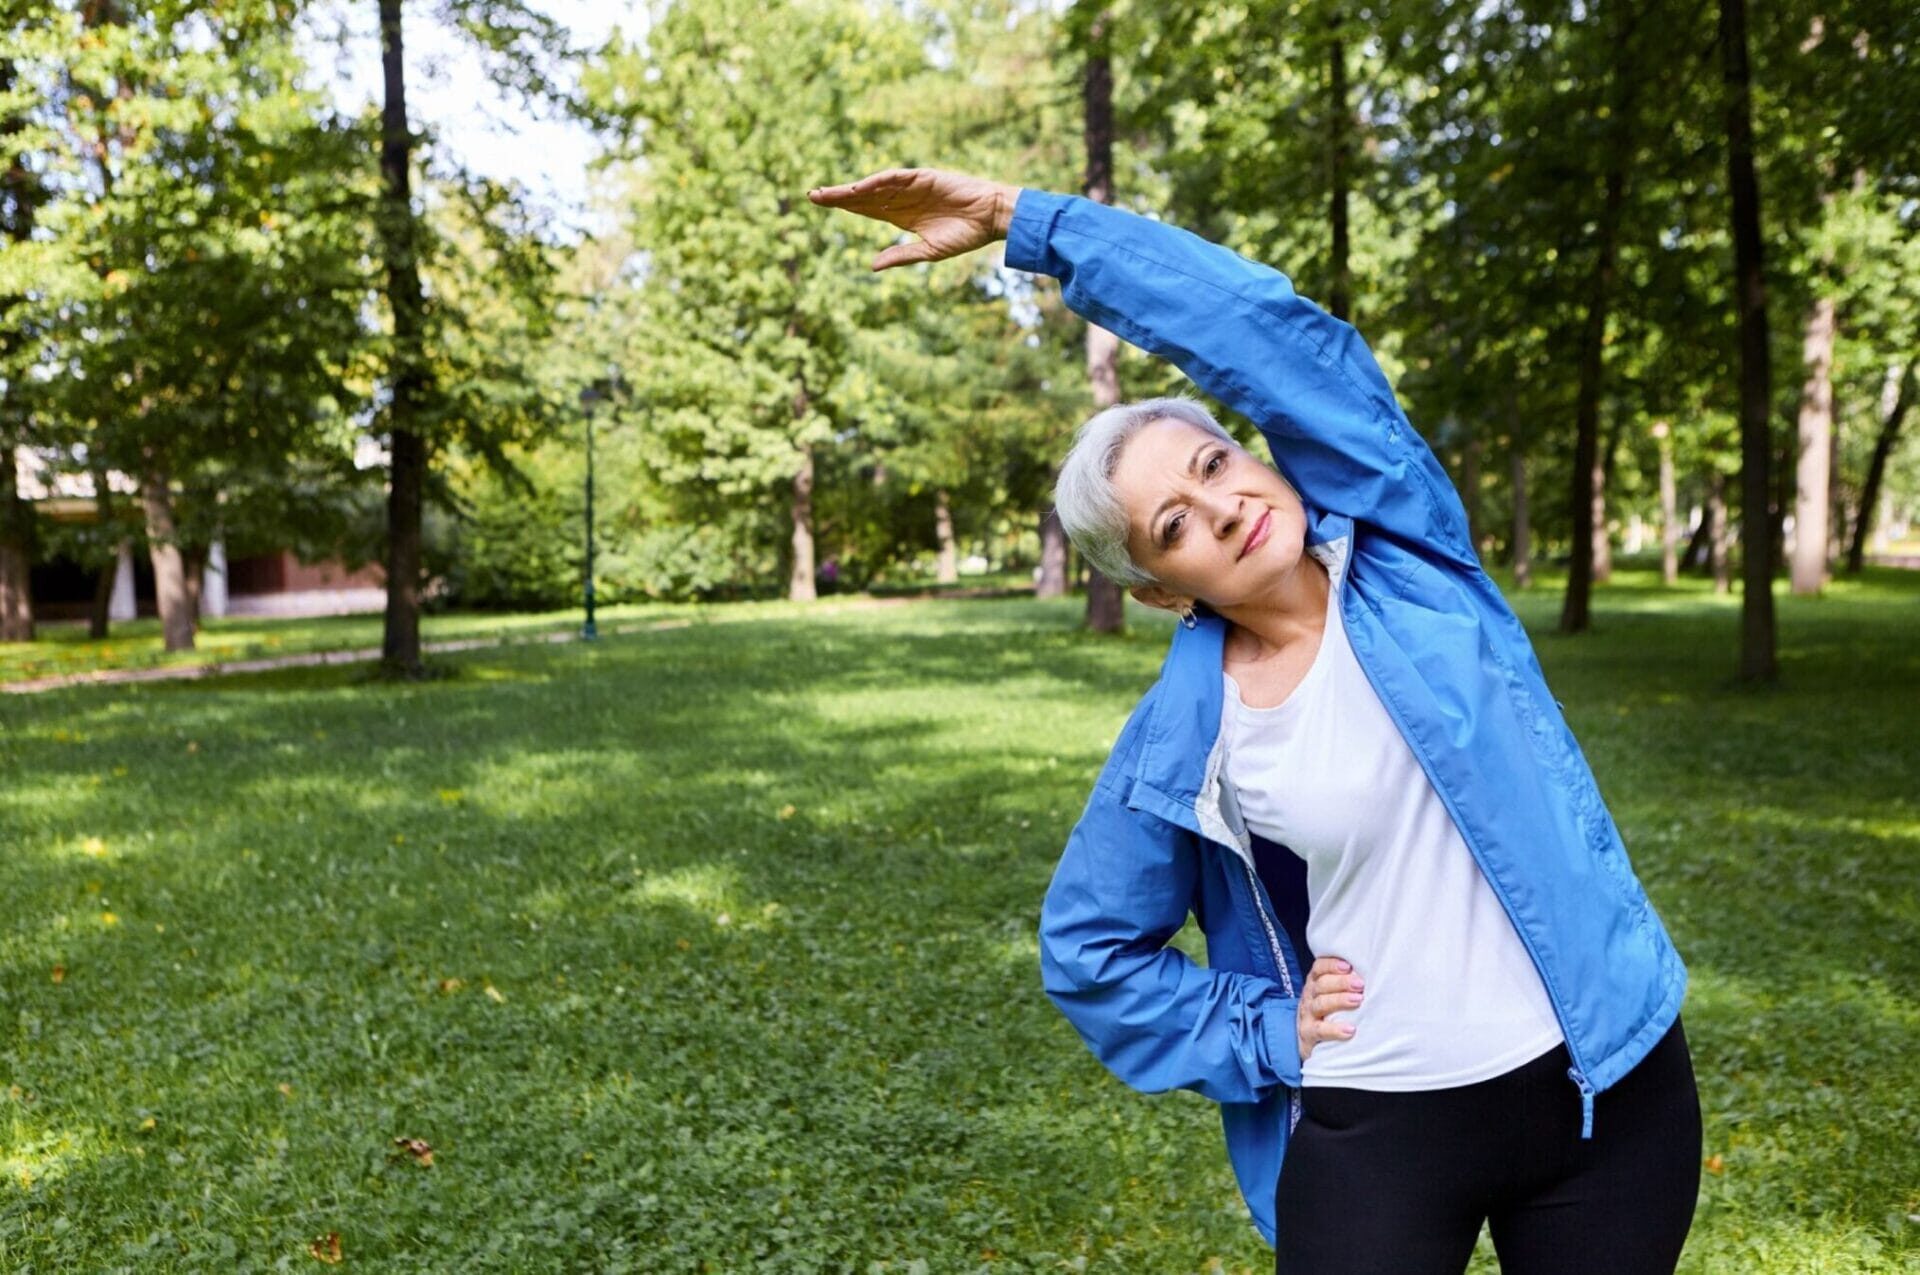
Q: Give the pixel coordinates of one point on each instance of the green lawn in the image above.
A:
(712, 949)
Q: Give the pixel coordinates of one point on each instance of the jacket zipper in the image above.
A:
(1286, 977)
(1577, 1072)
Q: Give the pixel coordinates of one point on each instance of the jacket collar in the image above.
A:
(1177, 776)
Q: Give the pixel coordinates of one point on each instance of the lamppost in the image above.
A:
(590, 397)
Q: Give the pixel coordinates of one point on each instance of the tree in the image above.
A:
(517, 39)
(1757, 659)
(750, 300)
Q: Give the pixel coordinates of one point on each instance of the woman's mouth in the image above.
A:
(1257, 536)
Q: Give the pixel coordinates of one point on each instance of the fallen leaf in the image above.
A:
(682, 944)
(59, 973)
(1716, 1164)
(93, 847)
(108, 918)
(493, 994)
(148, 1125)
(786, 812)
(193, 745)
(326, 1248)
(448, 985)
(417, 1148)
(285, 1089)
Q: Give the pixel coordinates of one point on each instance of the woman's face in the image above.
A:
(1207, 518)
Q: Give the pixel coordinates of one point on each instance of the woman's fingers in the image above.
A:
(1332, 987)
(906, 254)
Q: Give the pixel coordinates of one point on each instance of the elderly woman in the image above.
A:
(1350, 751)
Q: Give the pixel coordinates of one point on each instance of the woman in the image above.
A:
(1351, 750)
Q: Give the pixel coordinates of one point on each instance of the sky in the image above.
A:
(448, 93)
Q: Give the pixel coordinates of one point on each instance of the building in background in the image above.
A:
(275, 583)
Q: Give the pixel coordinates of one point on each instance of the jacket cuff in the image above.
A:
(1034, 212)
(1282, 1027)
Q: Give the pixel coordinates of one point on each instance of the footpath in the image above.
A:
(368, 654)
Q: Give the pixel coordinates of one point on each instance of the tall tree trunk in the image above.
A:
(1757, 641)
(800, 586)
(16, 552)
(1575, 610)
(947, 570)
(21, 191)
(100, 611)
(1877, 467)
(1052, 580)
(1602, 538)
(1813, 475)
(1522, 528)
(407, 474)
(1470, 484)
(1106, 604)
(1339, 126)
(1669, 511)
(169, 563)
(1717, 528)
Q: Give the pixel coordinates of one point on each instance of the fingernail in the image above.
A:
(1345, 968)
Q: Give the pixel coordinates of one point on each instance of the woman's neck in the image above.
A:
(1296, 610)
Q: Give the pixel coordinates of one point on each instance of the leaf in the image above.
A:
(59, 973)
(326, 1248)
(493, 994)
(417, 1148)
(1716, 1164)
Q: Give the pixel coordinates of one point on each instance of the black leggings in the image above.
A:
(1400, 1182)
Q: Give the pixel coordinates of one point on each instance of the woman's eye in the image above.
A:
(1219, 458)
(1173, 526)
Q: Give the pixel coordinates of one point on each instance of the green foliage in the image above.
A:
(756, 902)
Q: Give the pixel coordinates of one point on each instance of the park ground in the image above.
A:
(711, 948)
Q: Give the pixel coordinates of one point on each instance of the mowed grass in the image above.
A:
(712, 949)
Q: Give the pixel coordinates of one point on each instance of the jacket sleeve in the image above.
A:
(1239, 331)
(1153, 1016)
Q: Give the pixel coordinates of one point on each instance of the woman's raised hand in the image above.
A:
(1331, 987)
(951, 212)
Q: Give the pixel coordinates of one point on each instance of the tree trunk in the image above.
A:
(1575, 615)
(100, 612)
(1052, 581)
(19, 192)
(194, 562)
(400, 646)
(1106, 604)
(1877, 467)
(1813, 475)
(1522, 529)
(1669, 511)
(1602, 539)
(16, 553)
(1339, 125)
(1716, 526)
(800, 587)
(1757, 656)
(1470, 484)
(948, 569)
(169, 564)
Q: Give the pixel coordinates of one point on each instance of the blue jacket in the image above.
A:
(1161, 835)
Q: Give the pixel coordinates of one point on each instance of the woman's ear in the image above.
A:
(1154, 596)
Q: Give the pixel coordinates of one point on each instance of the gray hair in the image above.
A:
(1090, 509)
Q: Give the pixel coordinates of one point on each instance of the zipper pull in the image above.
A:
(1586, 1101)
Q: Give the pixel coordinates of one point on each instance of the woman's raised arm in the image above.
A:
(1235, 327)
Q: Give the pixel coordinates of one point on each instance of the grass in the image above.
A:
(712, 949)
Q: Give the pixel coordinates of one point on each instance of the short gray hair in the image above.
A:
(1090, 509)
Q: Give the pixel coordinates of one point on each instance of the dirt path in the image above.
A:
(367, 654)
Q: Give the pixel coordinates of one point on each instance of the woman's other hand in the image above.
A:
(952, 213)
(1332, 986)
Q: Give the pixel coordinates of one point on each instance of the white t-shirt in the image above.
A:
(1451, 995)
